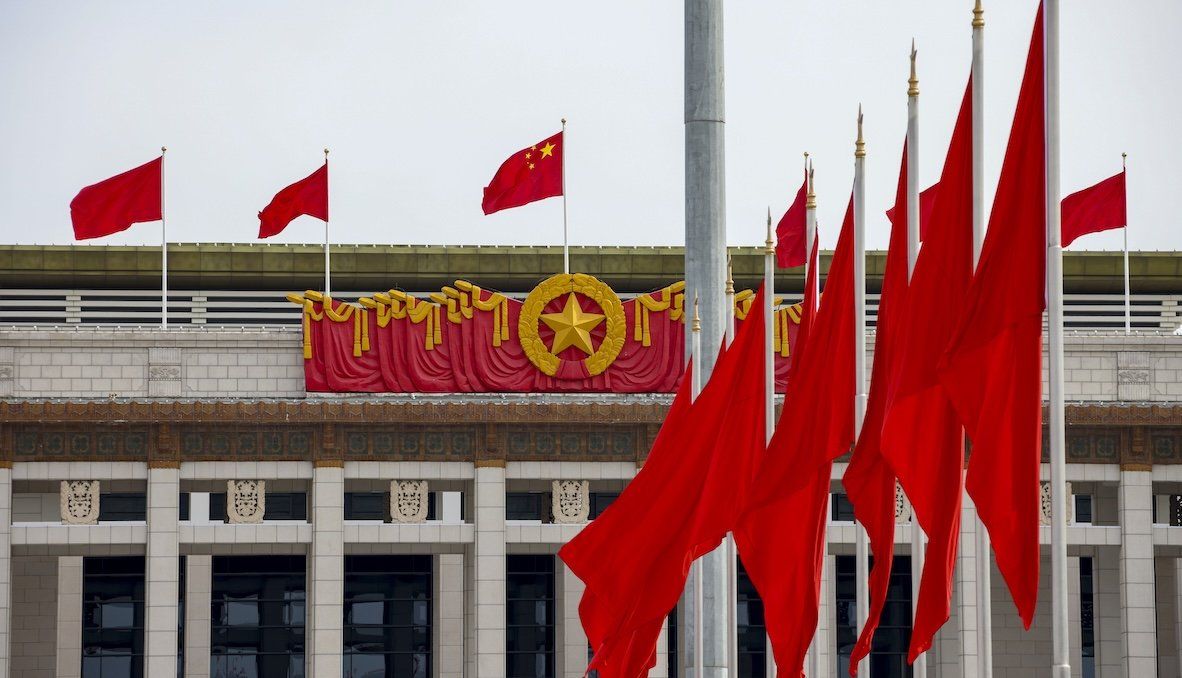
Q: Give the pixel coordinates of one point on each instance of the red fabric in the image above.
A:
(870, 481)
(927, 198)
(307, 196)
(530, 174)
(1097, 208)
(782, 530)
(790, 232)
(992, 368)
(922, 438)
(634, 558)
(114, 204)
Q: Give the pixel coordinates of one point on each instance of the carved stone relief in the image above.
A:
(408, 501)
(571, 501)
(80, 502)
(1044, 512)
(902, 505)
(246, 501)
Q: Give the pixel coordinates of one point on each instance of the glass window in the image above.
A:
(752, 633)
(387, 617)
(257, 617)
(113, 617)
(1087, 619)
(122, 506)
(888, 655)
(523, 506)
(600, 501)
(278, 506)
(367, 506)
(529, 616)
(671, 638)
(1083, 508)
(842, 509)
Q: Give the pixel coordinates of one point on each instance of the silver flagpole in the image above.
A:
(695, 389)
(982, 561)
(732, 592)
(861, 546)
(1061, 662)
(1124, 168)
(819, 641)
(565, 232)
(769, 376)
(163, 249)
(327, 268)
(918, 552)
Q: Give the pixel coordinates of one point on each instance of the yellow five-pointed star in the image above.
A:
(572, 327)
(547, 150)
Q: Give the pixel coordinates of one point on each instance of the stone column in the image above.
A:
(1106, 575)
(198, 594)
(823, 643)
(161, 571)
(489, 568)
(448, 635)
(1137, 596)
(1074, 629)
(1178, 612)
(326, 571)
(69, 617)
(966, 590)
(573, 640)
(5, 568)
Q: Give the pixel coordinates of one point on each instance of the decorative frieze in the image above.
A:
(571, 501)
(903, 512)
(1045, 512)
(80, 502)
(246, 501)
(408, 501)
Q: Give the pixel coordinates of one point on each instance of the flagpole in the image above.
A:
(565, 232)
(861, 547)
(1124, 168)
(695, 389)
(918, 552)
(982, 561)
(327, 268)
(163, 249)
(1061, 662)
(810, 234)
(732, 591)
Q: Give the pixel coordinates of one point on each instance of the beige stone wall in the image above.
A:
(34, 616)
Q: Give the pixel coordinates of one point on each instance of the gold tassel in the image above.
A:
(504, 319)
(307, 333)
(364, 315)
(496, 333)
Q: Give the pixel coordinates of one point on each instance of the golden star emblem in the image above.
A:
(572, 327)
(548, 150)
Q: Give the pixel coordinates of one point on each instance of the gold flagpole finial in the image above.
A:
(811, 199)
(978, 15)
(860, 144)
(769, 245)
(326, 154)
(730, 277)
(697, 326)
(163, 150)
(1124, 161)
(913, 81)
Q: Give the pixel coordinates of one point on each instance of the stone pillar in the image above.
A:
(966, 589)
(448, 634)
(1178, 612)
(1137, 596)
(823, 642)
(5, 568)
(161, 571)
(198, 594)
(1074, 629)
(69, 617)
(489, 569)
(572, 640)
(1106, 574)
(326, 571)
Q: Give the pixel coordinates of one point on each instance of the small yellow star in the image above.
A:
(528, 156)
(531, 165)
(572, 326)
(547, 150)
(533, 148)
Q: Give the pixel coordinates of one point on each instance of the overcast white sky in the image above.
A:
(421, 101)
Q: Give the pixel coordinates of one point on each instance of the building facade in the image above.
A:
(173, 501)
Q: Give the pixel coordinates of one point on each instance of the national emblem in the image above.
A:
(572, 326)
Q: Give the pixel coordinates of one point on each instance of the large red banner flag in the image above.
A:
(307, 196)
(790, 231)
(531, 174)
(1101, 207)
(869, 480)
(635, 557)
(992, 367)
(114, 204)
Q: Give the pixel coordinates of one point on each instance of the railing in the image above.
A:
(52, 307)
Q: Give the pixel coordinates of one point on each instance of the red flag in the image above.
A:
(635, 557)
(307, 196)
(530, 174)
(992, 368)
(927, 198)
(114, 204)
(781, 532)
(1097, 208)
(922, 438)
(790, 232)
(870, 481)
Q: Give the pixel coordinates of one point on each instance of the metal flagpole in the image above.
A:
(1061, 662)
(810, 234)
(918, 548)
(327, 268)
(732, 591)
(1124, 168)
(769, 368)
(982, 561)
(565, 232)
(163, 249)
(861, 546)
(695, 389)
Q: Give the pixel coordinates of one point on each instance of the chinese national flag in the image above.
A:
(114, 204)
(528, 175)
(307, 196)
(790, 232)
(1094, 209)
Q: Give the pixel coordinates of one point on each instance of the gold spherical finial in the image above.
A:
(913, 81)
(1124, 161)
(978, 16)
(860, 144)
(564, 122)
(326, 153)
(163, 150)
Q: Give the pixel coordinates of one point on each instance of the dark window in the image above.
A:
(113, 617)
(888, 655)
(387, 617)
(671, 645)
(523, 506)
(842, 509)
(752, 633)
(1176, 510)
(122, 506)
(529, 616)
(367, 505)
(600, 501)
(186, 499)
(278, 506)
(1087, 617)
(217, 506)
(180, 619)
(257, 617)
(1083, 508)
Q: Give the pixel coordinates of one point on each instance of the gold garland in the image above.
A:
(672, 299)
(554, 287)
